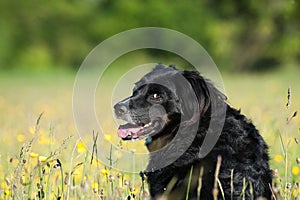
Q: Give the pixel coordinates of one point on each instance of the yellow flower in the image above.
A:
(4, 185)
(95, 185)
(80, 147)
(295, 170)
(96, 163)
(295, 192)
(7, 192)
(278, 158)
(77, 175)
(126, 177)
(104, 172)
(21, 137)
(44, 140)
(33, 155)
(43, 158)
(107, 137)
(24, 179)
(134, 191)
(31, 130)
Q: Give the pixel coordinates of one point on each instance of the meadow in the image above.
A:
(43, 157)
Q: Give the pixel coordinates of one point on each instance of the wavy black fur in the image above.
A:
(244, 168)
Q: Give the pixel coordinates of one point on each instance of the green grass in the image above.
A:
(61, 167)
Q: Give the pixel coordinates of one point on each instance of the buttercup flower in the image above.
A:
(295, 170)
(80, 147)
(43, 158)
(33, 155)
(278, 158)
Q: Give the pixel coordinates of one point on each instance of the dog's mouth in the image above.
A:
(136, 132)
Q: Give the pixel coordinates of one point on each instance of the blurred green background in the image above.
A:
(239, 35)
(255, 44)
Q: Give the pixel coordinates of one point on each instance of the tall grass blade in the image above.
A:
(200, 182)
(189, 183)
(282, 144)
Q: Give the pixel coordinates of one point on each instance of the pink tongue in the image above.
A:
(124, 132)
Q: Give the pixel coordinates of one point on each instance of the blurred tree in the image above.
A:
(240, 35)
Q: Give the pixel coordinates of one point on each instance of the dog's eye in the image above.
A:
(155, 97)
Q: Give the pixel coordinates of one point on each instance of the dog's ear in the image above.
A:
(205, 92)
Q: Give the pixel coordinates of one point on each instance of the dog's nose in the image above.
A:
(120, 109)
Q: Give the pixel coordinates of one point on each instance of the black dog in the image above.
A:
(174, 111)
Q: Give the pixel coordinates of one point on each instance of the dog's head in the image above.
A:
(161, 101)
